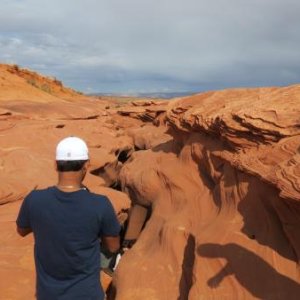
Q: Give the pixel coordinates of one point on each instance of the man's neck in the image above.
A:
(70, 188)
(69, 181)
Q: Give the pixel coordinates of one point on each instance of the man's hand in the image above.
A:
(111, 243)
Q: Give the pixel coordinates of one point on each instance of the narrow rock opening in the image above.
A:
(136, 148)
(60, 126)
(134, 219)
(98, 172)
(116, 186)
(123, 156)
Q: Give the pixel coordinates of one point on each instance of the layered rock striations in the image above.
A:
(224, 194)
(218, 173)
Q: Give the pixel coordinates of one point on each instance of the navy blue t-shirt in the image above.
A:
(66, 228)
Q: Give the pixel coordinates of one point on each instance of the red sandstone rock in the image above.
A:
(225, 201)
(146, 112)
(223, 187)
(147, 137)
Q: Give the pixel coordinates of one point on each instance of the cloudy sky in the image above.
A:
(154, 45)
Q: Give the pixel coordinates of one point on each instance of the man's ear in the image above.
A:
(55, 165)
(86, 164)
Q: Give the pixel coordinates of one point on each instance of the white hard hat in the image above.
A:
(72, 148)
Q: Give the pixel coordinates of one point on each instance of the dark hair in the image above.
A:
(69, 165)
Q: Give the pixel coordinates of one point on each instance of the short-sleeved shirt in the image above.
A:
(66, 228)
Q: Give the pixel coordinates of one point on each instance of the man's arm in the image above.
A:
(111, 243)
(215, 281)
(109, 227)
(23, 220)
(23, 231)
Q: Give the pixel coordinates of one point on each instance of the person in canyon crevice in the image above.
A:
(67, 221)
(137, 217)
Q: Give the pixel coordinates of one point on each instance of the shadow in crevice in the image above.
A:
(123, 155)
(171, 146)
(251, 272)
(186, 280)
(261, 208)
(111, 292)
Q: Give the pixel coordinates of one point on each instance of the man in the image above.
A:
(67, 221)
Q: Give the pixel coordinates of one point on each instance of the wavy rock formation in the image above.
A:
(224, 194)
(147, 111)
(218, 171)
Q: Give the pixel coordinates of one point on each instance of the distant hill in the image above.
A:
(157, 95)
(23, 84)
